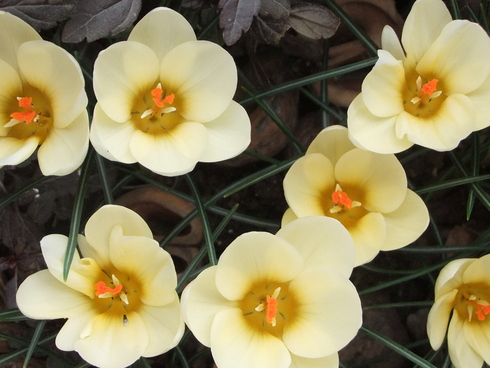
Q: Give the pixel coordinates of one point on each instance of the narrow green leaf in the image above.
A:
(475, 170)
(32, 184)
(12, 315)
(106, 188)
(455, 9)
(453, 183)
(35, 339)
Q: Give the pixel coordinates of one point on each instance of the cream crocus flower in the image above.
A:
(432, 89)
(165, 99)
(42, 101)
(366, 191)
(278, 301)
(462, 299)
(119, 299)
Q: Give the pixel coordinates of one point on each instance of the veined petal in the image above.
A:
(174, 153)
(161, 30)
(321, 241)
(451, 276)
(461, 353)
(288, 217)
(121, 72)
(405, 224)
(64, 149)
(369, 172)
(331, 361)
(438, 319)
(41, 296)
(458, 57)
(110, 138)
(13, 151)
(165, 326)
(306, 183)
(255, 257)
(332, 142)
(228, 134)
(84, 273)
(479, 99)
(477, 271)
(203, 77)
(477, 335)
(328, 314)
(444, 129)
(391, 43)
(73, 328)
(11, 88)
(423, 25)
(57, 75)
(382, 89)
(235, 343)
(369, 234)
(108, 342)
(201, 302)
(144, 260)
(99, 227)
(372, 133)
(13, 33)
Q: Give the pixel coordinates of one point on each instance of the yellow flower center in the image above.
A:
(471, 301)
(268, 307)
(422, 97)
(339, 204)
(30, 115)
(155, 111)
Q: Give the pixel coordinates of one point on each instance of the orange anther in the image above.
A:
(271, 310)
(341, 197)
(27, 116)
(157, 94)
(430, 87)
(101, 288)
(481, 310)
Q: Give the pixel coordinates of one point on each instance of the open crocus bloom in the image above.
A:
(42, 101)
(120, 299)
(463, 291)
(366, 191)
(165, 99)
(278, 301)
(433, 91)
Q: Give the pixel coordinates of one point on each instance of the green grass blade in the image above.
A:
(35, 339)
(106, 188)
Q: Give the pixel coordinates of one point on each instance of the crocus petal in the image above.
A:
(145, 261)
(332, 142)
(406, 223)
(369, 234)
(110, 138)
(255, 257)
(328, 314)
(477, 271)
(64, 149)
(458, 57)
(84, 273)
(203, 77)
(288, 217)
(11, 88)
(13, 33)
(383, 86)
(173, 153)
(165, 326)
(13, 151)
(57, 74)
(477, 335)
(41, 296)
(108, 342)
(73, 328)
(234, 343)
(451, 276)
(444, 129)
(331, 361)
(371, 132)
(161, 30)
(423, 25)
(438, 319)
(306, 182)
(479, 99)
(391, 43)
(121, 73)
(228, 135)
(99, 227)
(460, 352)
(201, 301)
(381, 179)
(321, 241)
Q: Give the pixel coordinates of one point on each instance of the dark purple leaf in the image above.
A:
(236, 17)
(276, 9)
(268, 29)
(313, 20)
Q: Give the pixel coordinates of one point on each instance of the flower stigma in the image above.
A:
(158, 109)
(28, 116)
(342, 201)
(471, 300)
(104, 291)
(421, 95)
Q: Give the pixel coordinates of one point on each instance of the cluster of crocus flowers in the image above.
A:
(165, 99)
(119, 299)
(432, 89)
(462, 295)
(278, 301)
(366, 191)
(42, 101)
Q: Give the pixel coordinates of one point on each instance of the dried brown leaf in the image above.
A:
(276, 9)
(236, 17)
(313, 20)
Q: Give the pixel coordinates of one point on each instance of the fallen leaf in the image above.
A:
(236, 17)
(268, 29)
(276, 9)
(313, 21)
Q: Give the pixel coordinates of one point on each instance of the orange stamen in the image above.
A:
(101, 288)
(481, 310)
(27, 116)
(271, 310)
(157, 94)
(341, 197)
(430, 87)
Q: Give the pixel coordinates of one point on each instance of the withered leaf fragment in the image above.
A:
(313, 20)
